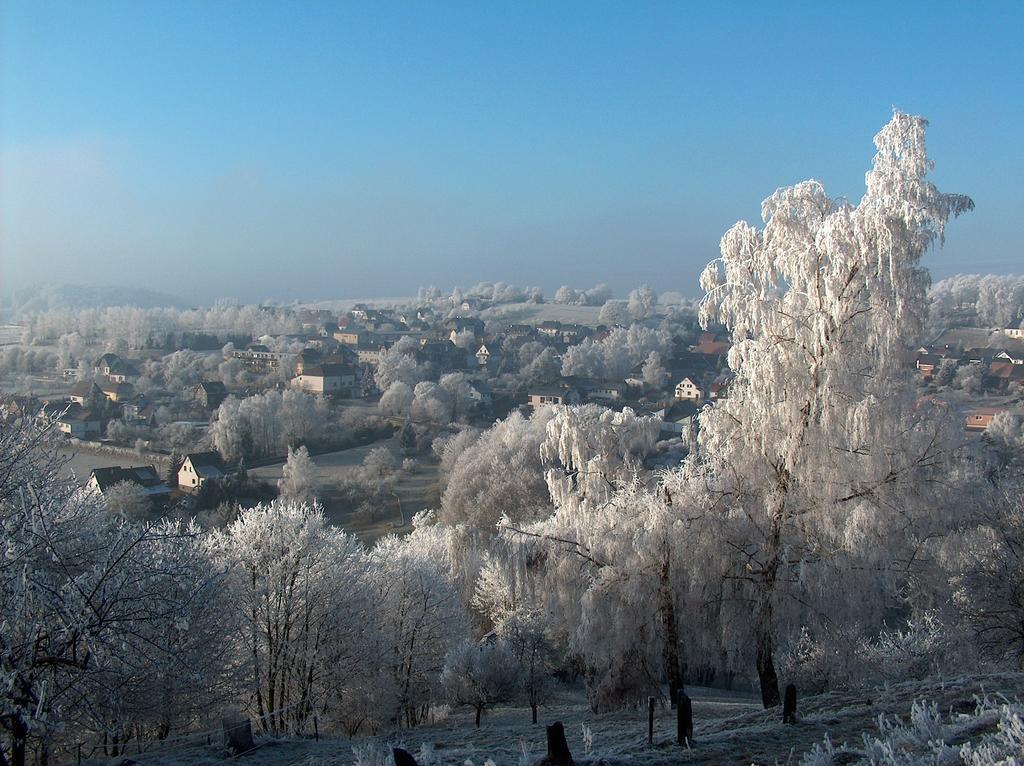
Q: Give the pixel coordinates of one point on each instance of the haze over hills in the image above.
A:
(47, 297)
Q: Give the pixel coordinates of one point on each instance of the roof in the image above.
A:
(143, 475)
(208, 465)
(83, 389)
(213, 387)
(116, 388)
(330, 370)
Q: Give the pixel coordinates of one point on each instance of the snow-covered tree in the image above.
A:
(128, 500)
(820, 431)
(653, 371)
(970, 378)
(397, 400)
(421, 616)
(642, 303)
(501, 474)
(615, 313)
(296, 583)
(480, 675)
(299, 480)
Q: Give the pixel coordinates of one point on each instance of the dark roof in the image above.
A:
(143, 475)
(207, 464)
(213, 387)
(83, 388)
(121, 367)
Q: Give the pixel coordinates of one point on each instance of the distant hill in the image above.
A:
(63, 296)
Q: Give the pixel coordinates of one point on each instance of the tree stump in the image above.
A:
(558, 748)
(789, 705)
(237, 732)
(403, 757)
(684, 720)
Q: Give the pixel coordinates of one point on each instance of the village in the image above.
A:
(148, 426)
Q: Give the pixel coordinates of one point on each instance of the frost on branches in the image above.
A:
(820, 448)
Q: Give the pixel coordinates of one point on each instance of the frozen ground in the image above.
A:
(728, 729)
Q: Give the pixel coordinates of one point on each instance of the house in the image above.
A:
(1004, 374)
(520, 331)
(1016, 330)
(116, 392)
(211, 393)
(74, 420)
(927, 364)
(140, 411)
(480, 393)
(86, 393)
(145, 476)
(106, 363)
(551, 328)
(679, 416)
(351, 336)
(1012, 356)
(458, 325)
(370, 352)
(981, 418)
(483, 355)
(548, 395)
(121, 371)
(328, 379)
(199, 467)
(258, 358)
(690, 389)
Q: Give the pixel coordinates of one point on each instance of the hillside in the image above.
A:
(76, 297)
(728, 729)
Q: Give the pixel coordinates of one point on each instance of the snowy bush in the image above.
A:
(930, 739)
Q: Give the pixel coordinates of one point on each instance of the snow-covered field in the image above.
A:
(728, 729)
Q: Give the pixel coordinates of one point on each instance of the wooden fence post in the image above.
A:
(558, 748)
(684, 720)
(789, 705)
(650, 721)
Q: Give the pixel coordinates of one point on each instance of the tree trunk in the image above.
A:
(670, 629)
(478, 711)
(533, 710)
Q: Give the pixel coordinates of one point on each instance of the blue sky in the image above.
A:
(314, 150)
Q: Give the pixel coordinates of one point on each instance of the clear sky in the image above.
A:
(332, 149)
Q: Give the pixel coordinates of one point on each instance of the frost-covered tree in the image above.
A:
(820, 435)
(93, 611)
(398, 363)
(421, 616)
(397, 400)
(431, 403)
(590, 451)
(298, 482)
(970, 378)
(480, 675)
(296, 584)
(615, 313)
(524, 631)
(985, 564)
(947, 372)
(128, 500)
(642, 303)
(501, 474)
(653, 371)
